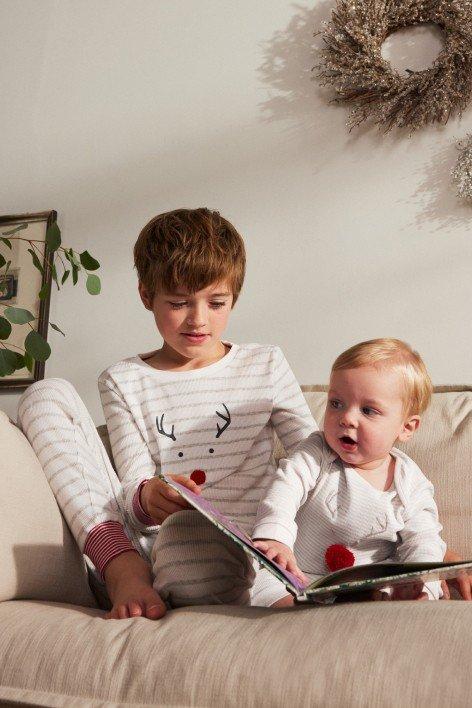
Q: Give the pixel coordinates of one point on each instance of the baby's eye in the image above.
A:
(367, 410)
(335, 404)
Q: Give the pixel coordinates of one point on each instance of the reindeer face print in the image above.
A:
(221, 420)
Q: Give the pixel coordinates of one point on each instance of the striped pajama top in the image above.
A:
(220, 418)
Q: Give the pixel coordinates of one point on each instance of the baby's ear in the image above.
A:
(410, 426)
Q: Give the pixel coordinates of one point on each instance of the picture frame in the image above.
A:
(22, 284)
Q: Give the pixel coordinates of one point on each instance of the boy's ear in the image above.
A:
(143, 293)
(410, 426)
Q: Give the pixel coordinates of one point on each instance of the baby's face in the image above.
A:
(365, 415)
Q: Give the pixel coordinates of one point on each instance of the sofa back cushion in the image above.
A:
(442, 447)
(39, 559)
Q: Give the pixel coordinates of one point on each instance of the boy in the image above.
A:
(353, 497)
(197, 402)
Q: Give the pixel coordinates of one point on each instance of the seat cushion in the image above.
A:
(38, 557)
(365, 654)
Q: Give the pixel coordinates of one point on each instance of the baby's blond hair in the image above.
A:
(397, 355)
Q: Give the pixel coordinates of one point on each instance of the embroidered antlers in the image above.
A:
(160, 428)
(220, 428)
(226, 418)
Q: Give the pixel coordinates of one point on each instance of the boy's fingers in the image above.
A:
(172, 495)
(261, 545)
(169, 507)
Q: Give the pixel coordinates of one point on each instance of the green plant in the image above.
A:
(47, 255)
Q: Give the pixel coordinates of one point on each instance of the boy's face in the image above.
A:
(191, 324)
(365, 415)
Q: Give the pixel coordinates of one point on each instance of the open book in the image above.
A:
(358, 578)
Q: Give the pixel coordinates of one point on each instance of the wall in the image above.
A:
(117, 110)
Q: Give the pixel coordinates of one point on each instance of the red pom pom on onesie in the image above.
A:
(338, 557)
(198, 476)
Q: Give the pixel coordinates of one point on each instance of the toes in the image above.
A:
(155, 610)
(122, 612)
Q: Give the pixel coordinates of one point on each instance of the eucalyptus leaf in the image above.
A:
(29, 362)
(57, 329)
(7, 362)
(54, 275)
(5, 328)
(20, 361)
(88, 261)
(93, 284)
(72, 258)
(2, 261)
(7, 242)
(75, 259)
(17, 315)
(44, 292)
(15, 230)
(75, 274)
(65, 276)
(53, 237)
(37, 347)
(36, 261)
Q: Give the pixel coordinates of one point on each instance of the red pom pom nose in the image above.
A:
(338, 557)
(198, 476)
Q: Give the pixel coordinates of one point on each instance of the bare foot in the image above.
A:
(128, 581)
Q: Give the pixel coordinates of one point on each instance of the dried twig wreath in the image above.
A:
(462, 171)
(353, 65)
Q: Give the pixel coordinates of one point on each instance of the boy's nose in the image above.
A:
(196, 318)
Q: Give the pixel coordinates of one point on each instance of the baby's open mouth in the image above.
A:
(348, 443)
(348, 440)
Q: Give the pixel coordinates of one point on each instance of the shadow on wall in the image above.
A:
(287, 67)
(438, 206)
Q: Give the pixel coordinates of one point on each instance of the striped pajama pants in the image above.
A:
(192, 561)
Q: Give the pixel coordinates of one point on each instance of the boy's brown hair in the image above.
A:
(395, 354)
(189, 249)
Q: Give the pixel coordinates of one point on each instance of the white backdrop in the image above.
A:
(117, 110)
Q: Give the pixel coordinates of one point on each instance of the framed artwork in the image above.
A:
(22, 277)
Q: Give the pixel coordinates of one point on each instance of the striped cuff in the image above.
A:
(106, 541)
(138, 508)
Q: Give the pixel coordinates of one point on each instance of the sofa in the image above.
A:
(56, 648)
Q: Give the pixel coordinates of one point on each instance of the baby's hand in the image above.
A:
(408, 591)
(281, 554)
(160, 501)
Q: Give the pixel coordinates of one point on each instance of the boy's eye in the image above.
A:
(217, 305)
(177, 305)
(335, 404)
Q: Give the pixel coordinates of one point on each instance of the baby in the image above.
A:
(353, 497)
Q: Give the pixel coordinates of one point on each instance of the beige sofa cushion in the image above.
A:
(38, 556)
(366, 654)
(442, 447)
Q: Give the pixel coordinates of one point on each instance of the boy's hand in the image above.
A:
(281, 554)
(160, 501)
(462, 583)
